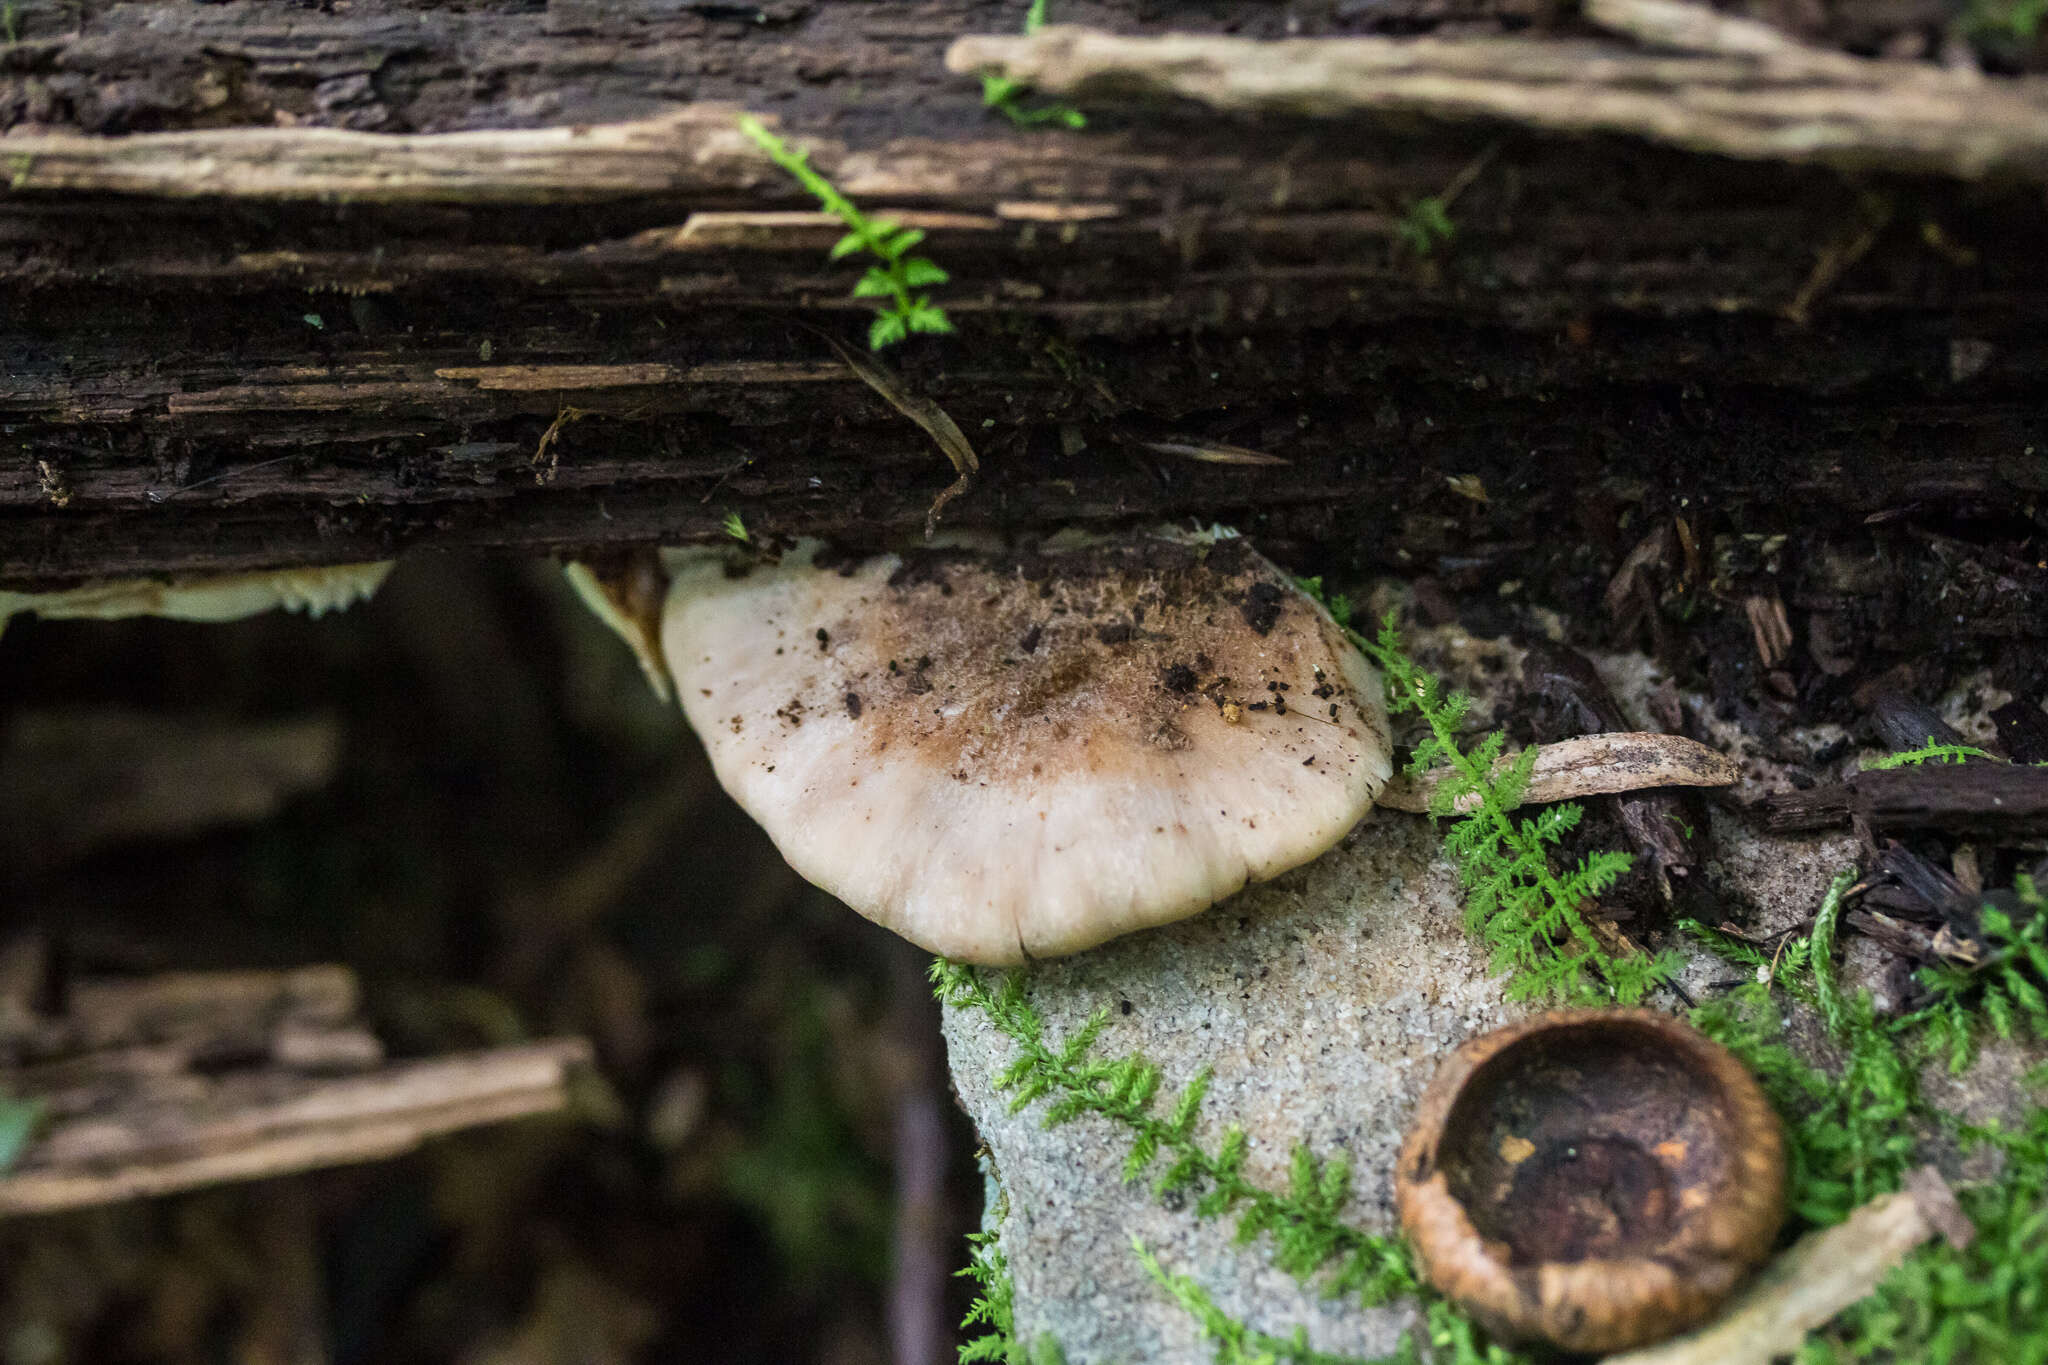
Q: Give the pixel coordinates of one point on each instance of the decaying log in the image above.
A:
(217, 1129)
(342, 277)
(80, 779)
(1999, 799)
(194, 1078)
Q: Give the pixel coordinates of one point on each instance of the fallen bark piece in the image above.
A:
(1660, 826)
(1995, 799)
(1787, 102)
(696, 148)
(1590, 765)
(1819, 1276)
(188, 1014)
(191, 1130)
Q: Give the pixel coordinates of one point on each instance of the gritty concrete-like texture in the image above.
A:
(1323, 1002)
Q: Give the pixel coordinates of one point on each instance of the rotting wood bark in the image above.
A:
(1968, 798)
(259, 377)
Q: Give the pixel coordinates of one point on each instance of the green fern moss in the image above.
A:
(1308, 1238)
(1526, 913)
(1930, 752)
(1006, 96)
(2005, 990)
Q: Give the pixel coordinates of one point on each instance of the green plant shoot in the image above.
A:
(1006, 96)
(898, 275)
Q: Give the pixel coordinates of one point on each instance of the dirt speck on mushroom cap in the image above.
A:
(1148, 751)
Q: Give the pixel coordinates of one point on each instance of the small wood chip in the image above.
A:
(1210, 452)
(1819, 1276)
(1939, 1207)
(1590, 765)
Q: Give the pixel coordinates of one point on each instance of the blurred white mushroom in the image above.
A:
(224, 597)
(1013, 753)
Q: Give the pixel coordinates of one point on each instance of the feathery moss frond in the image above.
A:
(1928, 753)
(1238, 1343)
(1006, 95)
(1530, 917)
(2005, 989)
(1309, 1239)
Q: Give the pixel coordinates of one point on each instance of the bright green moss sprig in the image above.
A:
(1930, 752)
(1853, 1136)
(1238, 1343)
(1530, 917)
(1987, 1302)
(2005, 990)
(994, 1311)
(899, 274)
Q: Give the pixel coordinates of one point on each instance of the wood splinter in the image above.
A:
(1822, 1273)
(1588, 765)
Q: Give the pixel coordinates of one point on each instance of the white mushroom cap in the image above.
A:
(1012, 754)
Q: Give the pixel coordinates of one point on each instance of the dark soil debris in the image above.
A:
(1261, 606)
(1117, 634)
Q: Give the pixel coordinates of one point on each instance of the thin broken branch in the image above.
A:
(935, 421)
(1823, 1273)
(1778, 101)
(1591, 765)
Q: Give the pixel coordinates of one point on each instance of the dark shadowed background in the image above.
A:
(516, 841)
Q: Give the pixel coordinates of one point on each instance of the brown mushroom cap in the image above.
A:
(1012, 753)
(1598, 1179)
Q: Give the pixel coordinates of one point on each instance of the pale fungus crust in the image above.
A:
(1008, 753)
(221, 597)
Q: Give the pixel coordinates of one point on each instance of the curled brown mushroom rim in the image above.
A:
(1597, 1179)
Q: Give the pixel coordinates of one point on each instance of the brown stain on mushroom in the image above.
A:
(1049, 729)
(1026, 649)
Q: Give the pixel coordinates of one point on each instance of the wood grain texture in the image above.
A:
(221, 354)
